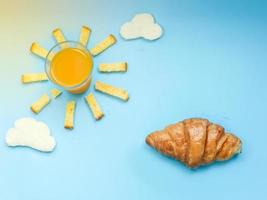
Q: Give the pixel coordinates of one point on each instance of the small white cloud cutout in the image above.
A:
(31, 133)
(142, 26)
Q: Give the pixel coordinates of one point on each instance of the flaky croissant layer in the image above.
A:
(195, 142)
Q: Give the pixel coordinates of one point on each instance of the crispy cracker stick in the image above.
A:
(113, 67)
(34, 77)
(84, 36)
(102, 46)
(40, 103)
(94, 106)
(38, 50)
(55, 93)
(111, 90)
(69, 117)
(59, 37)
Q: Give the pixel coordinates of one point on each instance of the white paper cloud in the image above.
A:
(31, 133)
(142, 25)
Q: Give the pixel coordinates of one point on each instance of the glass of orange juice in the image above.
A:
(69, 64)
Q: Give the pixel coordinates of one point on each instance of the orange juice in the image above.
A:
(71, 68)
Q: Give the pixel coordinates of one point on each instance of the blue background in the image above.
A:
(211, 62)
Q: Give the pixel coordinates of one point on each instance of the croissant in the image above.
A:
(195, 142)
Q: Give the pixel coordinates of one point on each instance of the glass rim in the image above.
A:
(47, 63)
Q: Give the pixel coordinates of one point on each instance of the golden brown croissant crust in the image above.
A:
(195, 142)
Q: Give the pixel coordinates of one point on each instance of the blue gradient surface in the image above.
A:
(211, 62)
